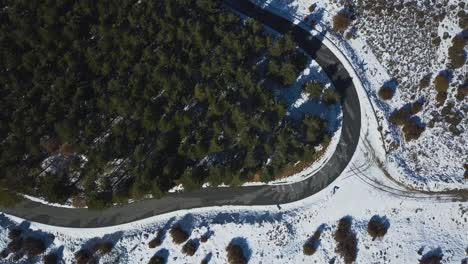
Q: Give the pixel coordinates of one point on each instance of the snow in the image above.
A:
(434, 162)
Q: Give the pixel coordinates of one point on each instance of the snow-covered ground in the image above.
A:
(396, 46)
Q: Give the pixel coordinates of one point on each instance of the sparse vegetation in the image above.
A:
(346, 240)
(33, 246)
(441, 83)
(83, 256)
(377, 226)
(235, 254)
(386, 93)
(178, 234)
(103, 247)
(190, 248)
(341, 21)
(456, 52)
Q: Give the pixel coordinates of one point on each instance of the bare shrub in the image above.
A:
(400, 117)
(416, 107)
(346, 240)
(34, 246)
(235, 254)
(178, 234)
(312, 7)
(341, 22)
(441, 97)
(190, 248)
(462, 91)
(386, 93)
(377, 226)
(204, 238)
(157, 241)
(441, 83)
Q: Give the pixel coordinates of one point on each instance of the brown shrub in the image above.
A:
(235, 254)
(190, 248)
(312, 7)
(155, 242)
(50, 259)
(346, 240)
(416, 107)
(14, 233)
(341, 22)
(104, 247)
(425, 81)
(15, 245)
(441, 83)
(178, 234)
(156, 260)
(386, 93)
(204, 238)
(457, 52)
(413, 130)
(34, 246)
(377, 227)
(462, 91)
(83, 256)
(400, 117)
(441, 97)
(312, 244)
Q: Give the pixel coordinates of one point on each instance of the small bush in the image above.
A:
(462, 91)
(341, 22)
(34, 246)
(50, 259)
(178, 234)
(83, 256)
(441, 97)
(416, 107)
(400, 117)
(312, 7)
(413, 129)
(157, 241)
(441, 83)
(425, 81)
(386, 93)
(14, 233)
(235, 254)
(314, 89)
(456, 52)
(156, 260)
(190, 248)
(312, 244)
(346, 240)
(15, 245)
(104, 247)
(377, 227)
(204, 238)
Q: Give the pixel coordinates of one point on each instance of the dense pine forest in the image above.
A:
(110, 100)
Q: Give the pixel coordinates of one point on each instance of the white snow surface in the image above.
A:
(435, 161)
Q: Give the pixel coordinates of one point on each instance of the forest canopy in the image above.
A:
(116, 99)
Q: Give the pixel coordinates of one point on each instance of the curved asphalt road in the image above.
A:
(253, 195)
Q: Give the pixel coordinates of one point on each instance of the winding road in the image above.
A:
(251, 195)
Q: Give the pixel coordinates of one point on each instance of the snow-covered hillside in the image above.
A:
(400, 43)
